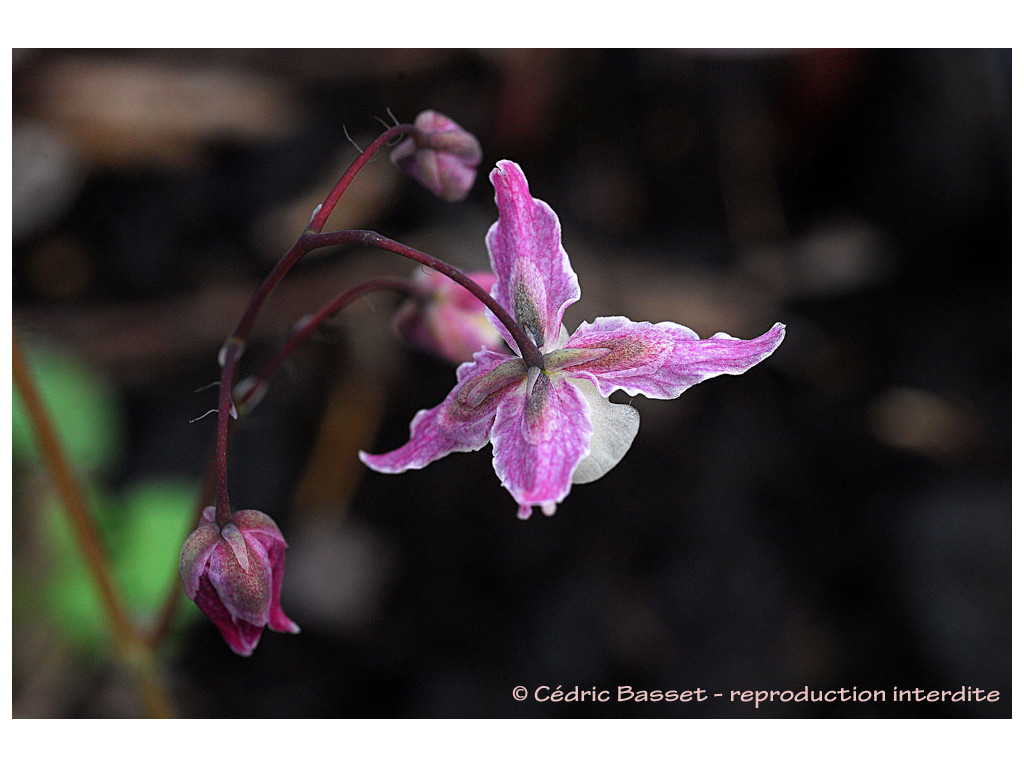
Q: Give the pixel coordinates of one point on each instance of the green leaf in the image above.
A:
(142, 534)
(82, 405)
(71, 593)
(159, 517)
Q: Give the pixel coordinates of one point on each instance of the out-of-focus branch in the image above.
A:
(128, 641)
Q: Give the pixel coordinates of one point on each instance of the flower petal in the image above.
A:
(256, 525)
(662, 360)
(252, 521)
(245, 592)
(240, 635)
(633, 351)
(539, 439)
(196, 551)
(615, 426)
(443, 157)
(445, 319)
(535, 280)
(454, 425)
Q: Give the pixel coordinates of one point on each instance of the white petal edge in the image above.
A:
(615, 426)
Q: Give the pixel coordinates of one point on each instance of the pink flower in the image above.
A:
(446, 319)
(234, 575)
(443, 157)
(554, 427)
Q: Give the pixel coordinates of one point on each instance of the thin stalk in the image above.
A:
(329, 310)
(532, 356)
(235, 344)
(162, 626)
(321, 215)
(127, 639)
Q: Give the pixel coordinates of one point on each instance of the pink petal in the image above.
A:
(539, 440)
(662, 360)
(195, 554)
(635, 351)
(452, 292)
(256, 522)
(244, 593)
(535, 280)
(446, 319)
(452, 426)
(443, 158)
(458, 333)
(233, 537)
(279, 621)
(259, 529)
(241, 635)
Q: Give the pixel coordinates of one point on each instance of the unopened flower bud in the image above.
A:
(443, 157)
(445, 319)
(234, 574)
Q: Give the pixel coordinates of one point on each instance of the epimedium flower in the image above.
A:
(553, 426)
(234, 574)
(443, 157)
(445, 319)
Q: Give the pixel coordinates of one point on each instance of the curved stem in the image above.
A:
(321, 215)
(329, 310)
(235, 344)
(532, 356)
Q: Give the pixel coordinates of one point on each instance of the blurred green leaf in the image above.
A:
(82, 405)
(159, 518)
(142, 534)
(71, 594)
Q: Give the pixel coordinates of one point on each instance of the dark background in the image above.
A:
(837, 517)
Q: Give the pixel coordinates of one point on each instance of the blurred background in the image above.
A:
(837, 517)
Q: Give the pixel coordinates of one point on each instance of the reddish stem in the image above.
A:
(532, 356)
(397, 284)
(320, 217)
(235, 344)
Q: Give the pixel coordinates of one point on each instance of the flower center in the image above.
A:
(509, 372)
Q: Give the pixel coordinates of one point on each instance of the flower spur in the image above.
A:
(552, 425)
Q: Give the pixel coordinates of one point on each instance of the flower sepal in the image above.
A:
(443, 157)
(550, 422)
(234, 574)
(446, 320)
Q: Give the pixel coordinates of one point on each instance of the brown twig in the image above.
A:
(126, 636)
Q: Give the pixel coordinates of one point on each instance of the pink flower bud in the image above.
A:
(443, 158)
(445, 319)
(234, 574)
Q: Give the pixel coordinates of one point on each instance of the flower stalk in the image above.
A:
(235, 345)
(329, 310)
(530, 352)
(311, 239)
